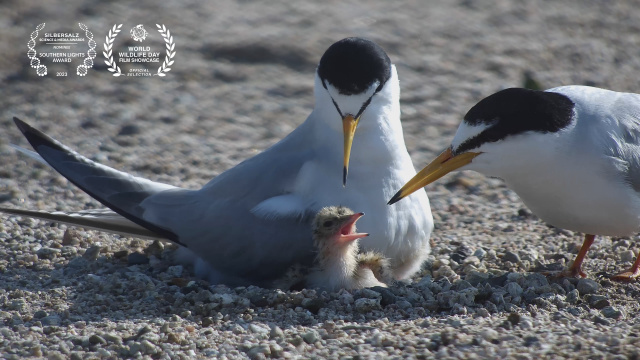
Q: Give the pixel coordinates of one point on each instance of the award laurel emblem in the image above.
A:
(113, 33)
(168, 39)
(91, 53)
(108, 54)
(41, 70)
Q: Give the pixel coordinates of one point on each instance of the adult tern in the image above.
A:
(571, 153)
(251, 223)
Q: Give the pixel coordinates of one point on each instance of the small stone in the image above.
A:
(514, 318)
(388, 297)
(530, 340)
(276, 333)
(514, 289)
(148, 347)
(173, 338)
(36, 351)
(71, 237)
(113, 338)
(479, 253)
(276, 350)
(47, 253)
(257, 329)
(627, 256)
(137, 258)
(611, 312)
(208, 321)
(129, 129)
(296, 340)
(92, 253)
(314, 305)
(51, 320)
(511, 257)
(365, 305)
(489, 334)
(573, 296)
(587, 286)
(156, 248)
(601, 321)
(259, 351)
(40, 314)
(97, 339)
(311, 337)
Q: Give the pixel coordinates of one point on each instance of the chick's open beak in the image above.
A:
(439, 167)
(349, 125)
(348, 230)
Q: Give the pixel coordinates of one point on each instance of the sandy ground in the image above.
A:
(242, 79)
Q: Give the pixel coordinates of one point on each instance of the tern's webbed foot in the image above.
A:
(629, 275)
(571, 272)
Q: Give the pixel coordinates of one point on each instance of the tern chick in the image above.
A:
(338, 263)
(571, 153)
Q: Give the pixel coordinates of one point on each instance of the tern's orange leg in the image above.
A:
(631, 274)
(575, 269)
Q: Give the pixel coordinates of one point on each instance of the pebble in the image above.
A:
(97, 339)
(573, 296)
(137, 258)
(276, 333)
(627, 256)
(611, 312)
(511, 256)
(51, 320)
(587, 286)
(311, 337)
(365, 305)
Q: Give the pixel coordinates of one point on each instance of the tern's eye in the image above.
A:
(328, 223)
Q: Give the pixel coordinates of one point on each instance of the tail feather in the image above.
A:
(117, 190)
(102, 219)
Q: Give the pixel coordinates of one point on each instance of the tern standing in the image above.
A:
(571, 153)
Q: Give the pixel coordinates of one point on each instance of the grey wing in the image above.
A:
(218, 224)
(99, 219)
(117, 190)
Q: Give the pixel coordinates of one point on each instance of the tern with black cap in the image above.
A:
(251, 223)
(571, 153)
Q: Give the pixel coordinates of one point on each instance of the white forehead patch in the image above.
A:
(466, 132)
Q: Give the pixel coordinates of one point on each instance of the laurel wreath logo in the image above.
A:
(108, 54)
(91, 53)
(168, 59)
(41, 70)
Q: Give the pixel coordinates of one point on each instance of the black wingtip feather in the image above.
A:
(38, 139)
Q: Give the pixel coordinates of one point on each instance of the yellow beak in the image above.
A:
(439, 167)
(349, 125)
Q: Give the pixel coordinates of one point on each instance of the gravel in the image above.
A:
(242, 79)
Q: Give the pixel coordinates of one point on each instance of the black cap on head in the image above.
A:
(515, 111)
(351, 65)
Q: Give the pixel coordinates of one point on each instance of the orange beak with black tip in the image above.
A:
(349, 125)
(445, 163)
